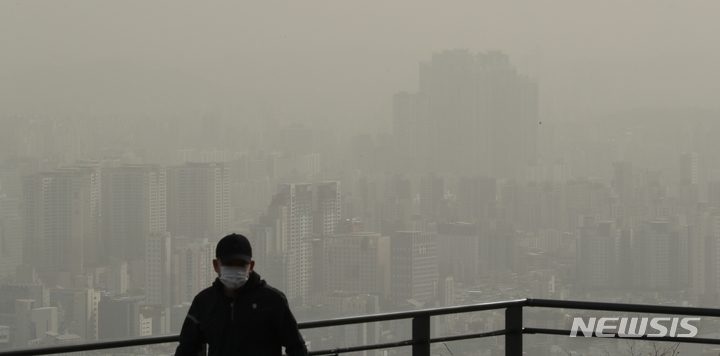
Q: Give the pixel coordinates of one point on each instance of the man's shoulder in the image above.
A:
(208, 294)
(272, 293)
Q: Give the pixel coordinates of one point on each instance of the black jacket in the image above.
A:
(256, 322)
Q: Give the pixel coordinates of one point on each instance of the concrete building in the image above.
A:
(158, 269)
(293, 206)
(198, 200)
(597, 256)
(414, 266)
(688, 167)
(119, 319)
(358, 263)
(134, 206)
(327, 208)
(81, 310)
(32, 322)
(195, 269)
(11, 235)
(5, 337)
(653, 252)
(458, 251)
(411, 130)
(61, 214)
(480, 115)
(116, 277)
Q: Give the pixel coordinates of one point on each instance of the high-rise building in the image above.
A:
(411, 128)
(11, 236)
(653, 252)
(713, 193)
(458, 251)
(359, 263)
(623, 185)
(12, 172)
(195, 269)
(158, 269)
(414, 266)
(294, 202)
(119, 319)
(81, 310)
(704, 252)
(198, 198)
(482, 116)
(598, 255)
(326, 207)
(61, 211)
(688, 164)
(268, 244)
(33, 321)
(134, 206)
(474, 195)
(431, 190)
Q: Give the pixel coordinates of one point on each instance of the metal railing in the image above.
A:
(421, 339)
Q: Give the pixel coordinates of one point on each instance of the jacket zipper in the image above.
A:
(232, 311)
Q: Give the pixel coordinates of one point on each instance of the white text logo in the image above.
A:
(628, 327)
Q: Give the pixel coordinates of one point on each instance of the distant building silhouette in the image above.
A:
(198, 200)
(61, 221)
(134, 206)
(473, 115)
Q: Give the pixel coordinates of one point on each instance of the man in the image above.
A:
(239, 314)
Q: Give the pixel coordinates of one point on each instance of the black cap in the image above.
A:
(233, 247)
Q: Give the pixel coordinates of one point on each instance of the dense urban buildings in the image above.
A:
(468, 199)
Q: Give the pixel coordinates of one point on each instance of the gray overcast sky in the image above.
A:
(327, 57)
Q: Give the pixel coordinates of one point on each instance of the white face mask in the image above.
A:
(234, 277)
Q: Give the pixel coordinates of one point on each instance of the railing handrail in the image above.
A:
(621, 307)
(510, 304)
(410, 314)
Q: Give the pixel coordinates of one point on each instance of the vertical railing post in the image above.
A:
(421, 335)
(514, 336)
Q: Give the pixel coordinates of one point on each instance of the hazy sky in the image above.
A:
(343, 60)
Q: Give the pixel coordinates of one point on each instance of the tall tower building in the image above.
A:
(12, 172)
(294, 201)
(704, 251)
(482, 116)
(358, 262)
(411, 127)
(198, 200)
(688, 164)
(11, 235)
(134, 207)
(623, 185)
(597, 251)
(158, 259)
(195, 269)
(458, 251)
(81, 310)
(475, 194)
(61, 219)
(654, 255)
(326, 208)
(414, 266)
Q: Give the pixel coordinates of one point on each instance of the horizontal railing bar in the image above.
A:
(468, 336)
(410, 314)
(363, 348)
(690, 340)
(633, 308)
(89, 346)
(407, 343)
(542, 303)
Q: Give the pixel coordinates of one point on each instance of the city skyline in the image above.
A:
(379, 157)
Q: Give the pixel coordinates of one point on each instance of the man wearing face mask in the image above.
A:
(239, 314)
